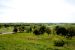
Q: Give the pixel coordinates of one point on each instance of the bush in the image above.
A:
(71, 32)
(59, 43)
(39, 31)
(42, 29)
(61, 30)
(48, 31)
(36, 32)
(29, 29)
(21, 29)
(15, 30)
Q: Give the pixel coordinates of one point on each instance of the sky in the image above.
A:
(37, 11)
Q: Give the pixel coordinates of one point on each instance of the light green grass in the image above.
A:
(28, 41)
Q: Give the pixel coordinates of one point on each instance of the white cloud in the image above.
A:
(39, 11)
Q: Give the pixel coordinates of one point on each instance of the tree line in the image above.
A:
(39, 30)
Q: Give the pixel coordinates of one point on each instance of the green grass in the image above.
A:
(28, 41)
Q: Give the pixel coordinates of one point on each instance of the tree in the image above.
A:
(71, 32)
(15, 30)
(36, 32)
(21, 29)
(42, 29)
(48, 31)
(30, 29)
(61, 30)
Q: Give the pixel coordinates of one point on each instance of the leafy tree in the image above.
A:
(21, 29)
(42, 29)
(48, 31)
(15, 30)
(61, 30)
(71, 32)
(36, 32)
(30, 29)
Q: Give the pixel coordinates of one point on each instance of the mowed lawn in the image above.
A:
(28, 41)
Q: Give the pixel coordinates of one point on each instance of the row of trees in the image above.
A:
(42, 30)
(67, 32)
(38, 30)
(22, 29)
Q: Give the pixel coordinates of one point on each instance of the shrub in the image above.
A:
(71, 32)
(30, 29)
(61, 30)
(15, 30)
(68, 32)
(36, 32)
(59, 43)
(48, 31)
(42, 29)
(21, 29)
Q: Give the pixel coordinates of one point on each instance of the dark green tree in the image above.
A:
(48, 31)
(15, 30)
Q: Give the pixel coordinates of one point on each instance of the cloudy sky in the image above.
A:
(34, 11)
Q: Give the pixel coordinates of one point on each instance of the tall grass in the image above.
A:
(28, 41)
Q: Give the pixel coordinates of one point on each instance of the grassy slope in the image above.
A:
(28, 41)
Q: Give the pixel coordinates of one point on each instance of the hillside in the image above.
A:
(28, 41)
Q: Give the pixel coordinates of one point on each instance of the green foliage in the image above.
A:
(42, 29)
(61, 30)
(71, 31)
(59, 43)
(5, 25)
(26, 40)
(15, 30)
(28, 29)
(36, 32)
(48, 31)
(21, 29)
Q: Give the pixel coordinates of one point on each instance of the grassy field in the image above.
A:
(28, 41)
